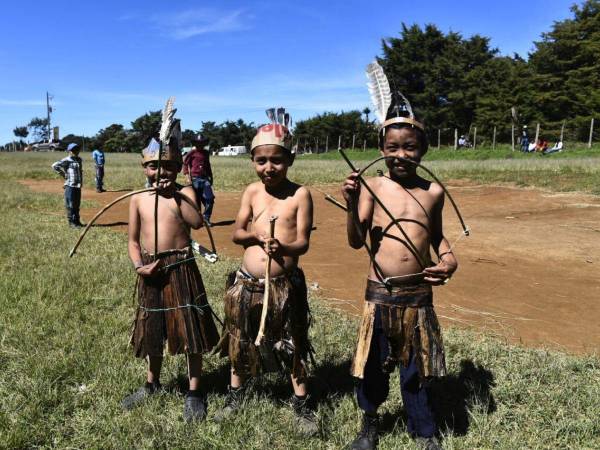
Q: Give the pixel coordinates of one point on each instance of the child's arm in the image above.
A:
(241, 235)
(133, 243)
(447, 264)
(304, 220)
(360, 209)
(59, 167)
(189, 211)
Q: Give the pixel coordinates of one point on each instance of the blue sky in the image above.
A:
(111, 61)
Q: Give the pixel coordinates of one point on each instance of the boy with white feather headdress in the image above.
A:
(173, 310)
(399, 325)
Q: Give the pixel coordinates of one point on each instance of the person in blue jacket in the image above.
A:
(98, 156)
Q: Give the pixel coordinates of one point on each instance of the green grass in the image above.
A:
(65, 363)
(573, 170)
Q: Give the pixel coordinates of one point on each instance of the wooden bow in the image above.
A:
(265, 305)
(410, 245)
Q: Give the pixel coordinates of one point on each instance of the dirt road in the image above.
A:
(529, 271)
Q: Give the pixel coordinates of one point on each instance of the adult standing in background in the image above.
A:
(524, 140)
(98, 156)
(196, 167)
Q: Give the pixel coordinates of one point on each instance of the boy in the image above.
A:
(399, 325)
(173, 308)
(98, 157)
(196, 166)
(71, 169)
(286, 340)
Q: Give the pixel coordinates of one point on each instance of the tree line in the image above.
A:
(451, 81)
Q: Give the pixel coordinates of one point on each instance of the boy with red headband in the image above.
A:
(272, 204)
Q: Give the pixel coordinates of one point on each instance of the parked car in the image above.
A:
(232, 150)
(46, 146)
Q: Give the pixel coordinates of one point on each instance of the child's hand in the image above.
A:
(271, 246)
(438, 274)
(165, 186)
(149, 270)
(351, 187)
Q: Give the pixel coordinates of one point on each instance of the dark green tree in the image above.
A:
(38, 128)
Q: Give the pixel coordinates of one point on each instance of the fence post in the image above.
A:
(494, 139)
(475, 138)
(591, 133)
(513, 137)
(353, 140)
(455, 138)
(439, 136)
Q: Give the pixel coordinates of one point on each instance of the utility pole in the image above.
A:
(48, 111)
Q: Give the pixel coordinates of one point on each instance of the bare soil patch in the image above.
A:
(528, 272)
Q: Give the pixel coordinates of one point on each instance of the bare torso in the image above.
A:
(263, 205)
(173, 232)
(414, 209)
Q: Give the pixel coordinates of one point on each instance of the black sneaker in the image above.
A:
(305, 420)
(194, 407)
(430, 443)
(368, 437)
(140, 396)
(233, 402)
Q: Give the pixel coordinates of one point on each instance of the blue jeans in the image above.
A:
(204, 195)
(72, 202)
(374, 388)
(99, 177)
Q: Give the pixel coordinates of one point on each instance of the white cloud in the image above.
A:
(195, 22)
(7, 102)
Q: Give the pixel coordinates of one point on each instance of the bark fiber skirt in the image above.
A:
(285, 344)
(173, 309)
(409, 322)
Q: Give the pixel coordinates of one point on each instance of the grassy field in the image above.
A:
(65, 363)
(573, 170)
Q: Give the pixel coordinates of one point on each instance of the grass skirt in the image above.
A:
(173, 309)
(286, 344)
(409, 322)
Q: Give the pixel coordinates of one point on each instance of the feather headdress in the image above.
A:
(168, 115)
(379, 89)
(277, 132)
(389, 107)
(169, 137)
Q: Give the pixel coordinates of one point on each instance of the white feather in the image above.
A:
(407, 104)
(379, 89)
(167, 120)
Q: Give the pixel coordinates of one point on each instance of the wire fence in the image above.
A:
(582, 132)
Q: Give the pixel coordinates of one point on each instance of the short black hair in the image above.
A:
(421, 135)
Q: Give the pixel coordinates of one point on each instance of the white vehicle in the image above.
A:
(233, 150)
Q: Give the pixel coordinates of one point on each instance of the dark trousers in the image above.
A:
(374, 388)
(99, 177)
(72, 202)
(204, 195)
